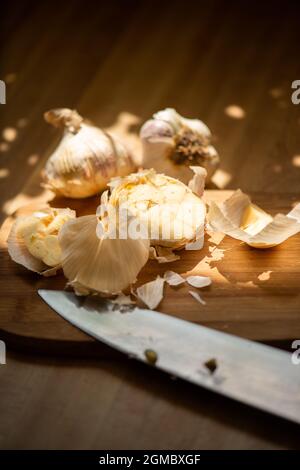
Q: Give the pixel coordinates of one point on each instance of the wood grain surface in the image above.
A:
(254, 293)
(228, 63)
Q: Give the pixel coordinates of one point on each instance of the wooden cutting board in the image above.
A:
(254, 294)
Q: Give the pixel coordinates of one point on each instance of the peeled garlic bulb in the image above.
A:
(85, 159)
(33, 239)
(172, 214)
(171, 143)
(94, 264)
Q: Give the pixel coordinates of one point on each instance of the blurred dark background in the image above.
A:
(230, 63)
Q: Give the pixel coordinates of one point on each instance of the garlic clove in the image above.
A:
(103, 265)
(240, 219)
(171, 143)
(171, 117)
(156, 131)
(85, 159)
(33, 239)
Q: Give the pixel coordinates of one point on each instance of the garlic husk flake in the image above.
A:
(240, 219)
(151, 293)
(102, 265)
(173, 279)
(197, 183)
(85, 159)
(198, 281)
(163, 254)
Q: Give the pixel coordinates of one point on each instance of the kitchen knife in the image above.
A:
(250, 372)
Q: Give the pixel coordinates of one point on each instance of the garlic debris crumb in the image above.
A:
(198, 281)
(163, 254)
(197, 297)
(173, 279)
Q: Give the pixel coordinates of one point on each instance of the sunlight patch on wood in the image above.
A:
(10, 78)
(4, 147)
(11, 205)
(265, 276)
(247, 284)
(123, 127)
(9, 134)
(276, 92)
(22, 123)
(4, 173)
(221, 178)
(235, 112)
(277, 168)
(32, 159)
(296, 161)
(215, 237)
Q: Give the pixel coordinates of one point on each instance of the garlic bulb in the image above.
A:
(171, 143)
(172, 214)
(85, 159)
(33, 239)
(102, 265)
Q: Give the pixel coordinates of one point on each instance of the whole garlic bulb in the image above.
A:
(171, 143)
(33, 239)
(85, 159)
(171, 212)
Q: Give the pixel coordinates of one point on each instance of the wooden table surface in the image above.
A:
(229, 63)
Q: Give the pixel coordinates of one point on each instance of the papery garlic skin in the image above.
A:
(103, 265)
(240, 219)
(33, 239)
(85, 159)
(171, 143)
(171, 212)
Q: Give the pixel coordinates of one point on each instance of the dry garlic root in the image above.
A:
(85, 159)
(171, 143)
(33, 239)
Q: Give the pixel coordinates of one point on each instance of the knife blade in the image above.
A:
(250, 372)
